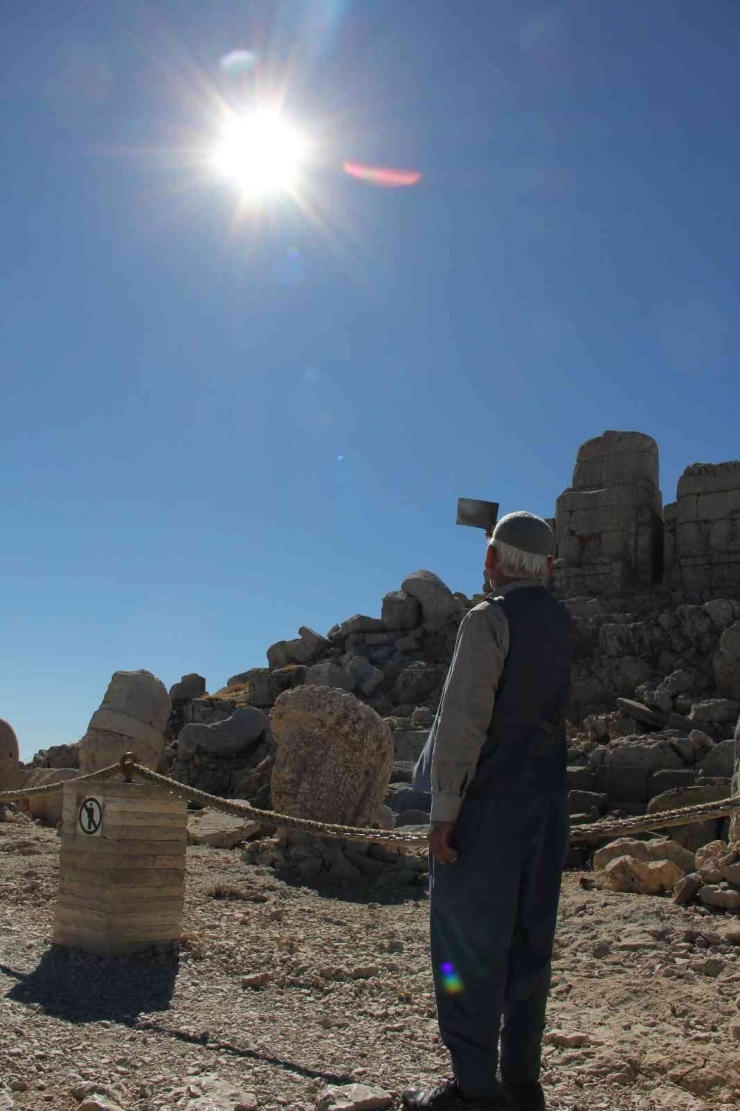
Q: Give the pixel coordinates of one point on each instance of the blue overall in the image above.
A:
(493, 912)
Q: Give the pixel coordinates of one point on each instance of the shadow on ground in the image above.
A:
(78, 988)
(81, 988)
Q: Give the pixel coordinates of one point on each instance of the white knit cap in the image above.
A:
(526, 532)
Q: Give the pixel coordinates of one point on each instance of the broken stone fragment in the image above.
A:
(353, 1097)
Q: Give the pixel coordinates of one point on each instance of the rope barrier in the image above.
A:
(54, 788)
(593, 831)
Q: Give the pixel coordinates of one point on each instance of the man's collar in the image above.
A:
(518, 584)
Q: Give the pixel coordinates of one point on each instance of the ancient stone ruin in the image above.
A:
(613, 536)
(655, 599)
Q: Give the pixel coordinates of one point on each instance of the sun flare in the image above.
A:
(260, 153)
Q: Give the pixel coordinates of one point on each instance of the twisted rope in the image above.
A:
(55, 788)
(594, 831)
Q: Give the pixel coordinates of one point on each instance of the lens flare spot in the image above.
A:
(451, 982)
(384, 177)
(237, 63)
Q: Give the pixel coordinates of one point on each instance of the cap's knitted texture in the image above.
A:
(526, 532)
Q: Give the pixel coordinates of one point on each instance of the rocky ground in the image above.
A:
(280, 991)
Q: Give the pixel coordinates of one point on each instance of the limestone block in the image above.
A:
(651, 877)
(734, 831)
(282, 653)
(259, 683)
(139, 695)
(616, 457)
(132, 717)
(334, 756)
(328, 674)
(400, 611)
(47, 808)
(408, 744)
(726, 663)
(9, 757)
(358, 623)
(235, 734)
(703, 478)
(719, 761)
(220, 831)
(190, 686)
(715, 710)
(437, 600)
(696, 834)
(662, 849)
(648, 751)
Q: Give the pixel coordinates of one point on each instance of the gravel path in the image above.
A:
(280, 990)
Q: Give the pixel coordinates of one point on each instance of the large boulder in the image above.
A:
(334, 757)
(9, 757)
(437, 600)
(236, 734)
(727, 663)
(131, 717)
(57, 756)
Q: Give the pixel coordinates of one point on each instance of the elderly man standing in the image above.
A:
(499, 827)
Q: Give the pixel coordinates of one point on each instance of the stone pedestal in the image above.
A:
(609, 526)
(121, 867)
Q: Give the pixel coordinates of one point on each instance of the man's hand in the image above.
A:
(439, 842)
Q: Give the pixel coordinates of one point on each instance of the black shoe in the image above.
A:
(446, 1097)
(524, 1097)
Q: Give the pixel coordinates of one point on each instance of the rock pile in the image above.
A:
(711, 875)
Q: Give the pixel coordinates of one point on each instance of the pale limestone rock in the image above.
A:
(722, 897)
(220, 831)
(353, 1097)
(644, 877)
(131, 718)
(9, 757)
(664, 849)
(713, 851)
(334, 757)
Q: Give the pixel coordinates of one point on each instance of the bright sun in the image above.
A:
(260, 153)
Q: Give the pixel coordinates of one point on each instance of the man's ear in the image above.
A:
(491, 558)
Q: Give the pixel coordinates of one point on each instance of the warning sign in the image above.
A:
(90, 817)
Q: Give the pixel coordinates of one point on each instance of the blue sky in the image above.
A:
(219, 424)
